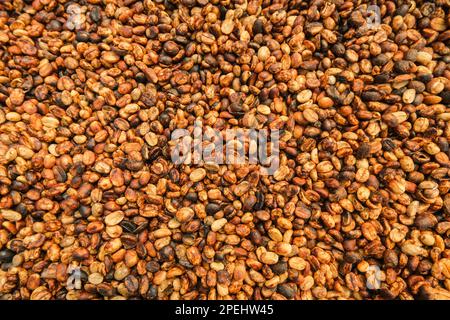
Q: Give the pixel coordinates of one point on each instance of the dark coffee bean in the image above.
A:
(19, 186)
(445, 95)
(363, 151)
(105, 290)
(328, 125)
(424, 77)
(151, 154)
(287, 290)
(417, 85)
(338, 49)
(152, 266)
(259, 201)
(425, 221)
(171, 48)
(167, 253)
(80, 254)
(212, 208)
(6, 255)
(371, 96)
(95, 14)
(129, 240)
(211, 61)
(83, 36)
(22, 209)
(381, 60)
(128, 226)
(352, 257)
(403, 66)
(249, 202)
(165, 60)
(411, 55)
(85, 211)
(83, 276)
(164, 118)
(388, 144)
(54, 25)
(109, 276)
(132, 285)
(142, 226)
(258, 27)
(443, 144)
(152, 292)
(381, 78)
(402, 10)
(256, 237)
(193, 197)
(280, 267)
(185, 263)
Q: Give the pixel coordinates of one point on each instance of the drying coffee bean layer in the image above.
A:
(91, 90)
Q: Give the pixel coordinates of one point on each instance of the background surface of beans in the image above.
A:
(91, 90)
